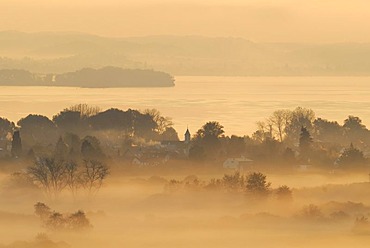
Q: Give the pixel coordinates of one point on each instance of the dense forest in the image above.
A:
(89, 78)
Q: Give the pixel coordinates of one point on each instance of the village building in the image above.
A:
(159, 153)
(240, 164)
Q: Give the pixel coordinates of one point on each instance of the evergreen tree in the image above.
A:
(61, 150)
(16, 145)
(352, 158)
(305, 141)
(90, 148)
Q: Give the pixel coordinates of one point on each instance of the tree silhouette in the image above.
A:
(93, 174)
(211, 129)
(85, 110)
(289, 156)
(279, 120)
(37, 129)
(233, 183)
(353, 123)
(257, 185)
(73, 176)
(113, 119)
(284, 193)
(197, 153)
(56, 221)
(6, 127)
(305, 141)
(299, 117)
(61, 150)
(16, 145)
(312, 212)
(208, 137)
(144, 126)
(69, 121)
(170, 134)
(42, 210)
(162, 122)
(90, 148)
(236, 146)
(329, 131)
(352, 158)
(78, 221)
(355, 130)
(49, 174)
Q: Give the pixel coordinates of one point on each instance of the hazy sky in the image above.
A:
(257, 20)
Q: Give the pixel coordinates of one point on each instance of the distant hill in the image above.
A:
(181, 55)
(106, 77)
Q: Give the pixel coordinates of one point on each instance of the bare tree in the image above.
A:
(262, 126)
(49, 174)
(279, 121)
(300, 117)
(73, 176)
(264, 131)
(162, 122)
(85, 110)
(94, 172)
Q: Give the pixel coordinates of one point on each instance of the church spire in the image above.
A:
(187, 135)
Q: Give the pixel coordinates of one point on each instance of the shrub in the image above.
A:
(257, 185)
(56, 221)
(312, 212)
(284, 193)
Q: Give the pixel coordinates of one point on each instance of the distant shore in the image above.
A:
(106, 77)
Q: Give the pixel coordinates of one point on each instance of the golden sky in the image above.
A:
(257, 20)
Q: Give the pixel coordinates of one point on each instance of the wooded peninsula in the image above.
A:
(106, 77)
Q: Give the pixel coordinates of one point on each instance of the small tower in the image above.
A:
(187, 136)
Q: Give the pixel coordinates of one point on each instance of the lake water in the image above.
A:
(236, 102)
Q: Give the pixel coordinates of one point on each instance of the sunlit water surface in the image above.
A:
(237, 102)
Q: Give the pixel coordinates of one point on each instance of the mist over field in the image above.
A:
(138, 212)
(115, 178)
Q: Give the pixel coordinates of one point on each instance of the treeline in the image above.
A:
(289, 138)
(89, 78)
(254, 185)
(285, 139)
(84, 130)
(314, 140)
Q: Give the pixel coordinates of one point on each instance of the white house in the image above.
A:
(237, 163)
